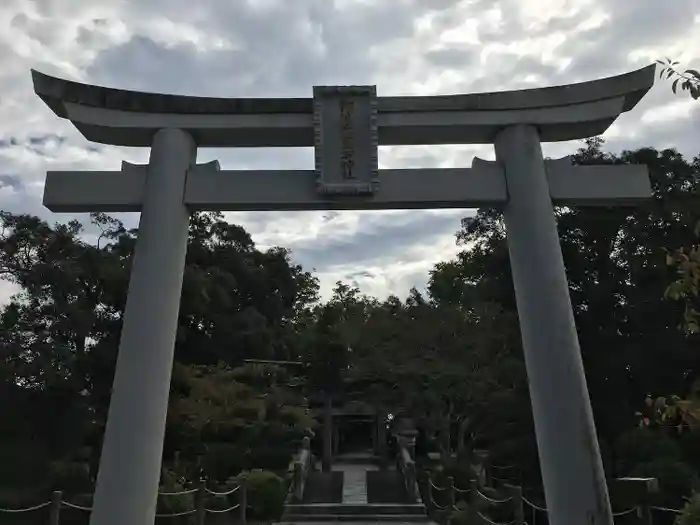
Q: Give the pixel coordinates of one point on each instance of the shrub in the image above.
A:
(221, 502)
(223, 460)
(690, 444)
(73, 516)
(460, 516)
(22, 499)
(276, 460)
(676, 480)
(644, 445)
(266, 492)
(462, 472)
(499, 513)
(23, 464)
(171, 482)
(70, 476)
(691, 512)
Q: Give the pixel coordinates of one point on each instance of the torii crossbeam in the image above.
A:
(345, 125)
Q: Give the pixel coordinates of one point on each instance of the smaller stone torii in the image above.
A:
(345, 125)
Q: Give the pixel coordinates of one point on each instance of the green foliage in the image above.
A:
(236, 297)
(615, 260)
(440, 364)
(70, 476)
(685, 260)
(460, 471)
(686, 263)
(223, 460)
(275, 460)
(23, 464)
(55, 386)
(465, 511)
(59, 335)
(243, 418)
(690, 446)
(461, 516)
(691, 512)
(676, 479)
(688, 81)
(672, 412)
(266, 492)
(171, 482)
(22, 498)
(642, 445)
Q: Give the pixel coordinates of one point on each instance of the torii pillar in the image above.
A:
(346, 125)
(558, 391)
(130, 467)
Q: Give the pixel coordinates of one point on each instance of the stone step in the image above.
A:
(324, 487)
(417, 509)
(357, 518)
(357, 459)
(355, 484)
(386, 487)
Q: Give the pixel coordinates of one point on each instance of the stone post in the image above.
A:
(637, 492)
(243, 502)
(410, 480)
(200, 512)
(381, 440)
(450, 493)
(327, 459)
(130, 464)
(572, 470)
(473, 498)
(518, 511)
(298, 482)
(55, 508)
(484, 463)
(336, 439)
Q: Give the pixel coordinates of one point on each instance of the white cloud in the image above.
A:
(7, 290)
(283, 48)
(673, 111)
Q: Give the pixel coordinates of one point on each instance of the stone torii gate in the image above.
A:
(345, 125)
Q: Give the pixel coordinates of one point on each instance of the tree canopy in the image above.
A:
(449, 357)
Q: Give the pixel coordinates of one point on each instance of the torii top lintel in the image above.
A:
(130, 118)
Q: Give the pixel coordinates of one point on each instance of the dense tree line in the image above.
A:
(449, 358)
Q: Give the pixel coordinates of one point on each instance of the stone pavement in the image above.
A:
(355, 482)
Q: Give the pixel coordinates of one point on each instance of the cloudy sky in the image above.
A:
(280, 48)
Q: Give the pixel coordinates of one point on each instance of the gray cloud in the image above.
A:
(12, 181)
(379, 238)
(34, 142)
(283, 48)
(274, 52)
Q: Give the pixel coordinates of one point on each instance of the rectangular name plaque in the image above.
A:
(345, 140)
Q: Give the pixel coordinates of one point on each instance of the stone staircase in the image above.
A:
(387, 501)
(346, 512)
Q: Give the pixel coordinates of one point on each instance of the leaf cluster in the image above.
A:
(688, 80)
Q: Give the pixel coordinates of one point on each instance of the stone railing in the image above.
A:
(630, 497)
(232, 502)
(477, 503)
(302, 466)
